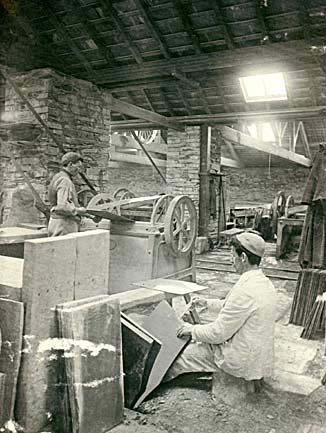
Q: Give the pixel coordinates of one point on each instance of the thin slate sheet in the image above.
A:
(11, 325)
(163, 324)
(93, 361)
(176, 287)
(139, 353)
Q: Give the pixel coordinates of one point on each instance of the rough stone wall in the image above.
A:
(74, 111)
(254, 184)
(142, 180)
(183, 162)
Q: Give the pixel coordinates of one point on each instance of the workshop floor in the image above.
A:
(292, 399)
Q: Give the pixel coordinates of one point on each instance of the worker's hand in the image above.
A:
(81, 211)
(197, 301)
(185, 330)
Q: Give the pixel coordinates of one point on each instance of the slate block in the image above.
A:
(139, 353)
(48, 279)
(92, 263)
(162, 323)
(93, 361)
(11, 325)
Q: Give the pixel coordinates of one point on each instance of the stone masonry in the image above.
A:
(74, 111)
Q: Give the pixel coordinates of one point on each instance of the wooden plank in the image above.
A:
(135, 159)
(239, 137)
(140, 113)
(11, 326)
(228, 162)
(93, 363)
(163, 324)
(139, 353)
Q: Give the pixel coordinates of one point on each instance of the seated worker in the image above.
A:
(241, 339)
(65, 214)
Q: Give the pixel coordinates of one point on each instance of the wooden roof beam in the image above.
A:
(283, 54)
(183, 9)
(238, 137)
(108, 6)
(215, 5)
(141, 113)
(145, 13)
(230, 118)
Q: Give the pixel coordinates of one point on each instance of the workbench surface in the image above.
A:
(12, 235)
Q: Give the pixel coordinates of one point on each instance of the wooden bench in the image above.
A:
(233, 390)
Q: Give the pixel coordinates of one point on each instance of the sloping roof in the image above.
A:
(181, 57)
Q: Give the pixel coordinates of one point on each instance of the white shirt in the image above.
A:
(244, 328)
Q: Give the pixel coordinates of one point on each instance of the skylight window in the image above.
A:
(267, 87)
(266, 131)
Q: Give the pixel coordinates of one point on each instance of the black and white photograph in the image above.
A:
(162, 216)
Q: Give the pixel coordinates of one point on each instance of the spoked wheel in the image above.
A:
(84, 196)
(160, 209)
(277, 210)
(100, 202)
(180, 226)
(123, 193)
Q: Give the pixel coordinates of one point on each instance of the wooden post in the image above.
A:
(205, 141)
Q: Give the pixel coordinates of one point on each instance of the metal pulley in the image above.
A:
(180, 225)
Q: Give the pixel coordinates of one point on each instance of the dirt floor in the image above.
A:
(186, 406)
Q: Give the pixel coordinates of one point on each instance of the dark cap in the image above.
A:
(70, 157)
(252, 242)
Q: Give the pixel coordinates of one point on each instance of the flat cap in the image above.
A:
(71, 157)
(255, 244)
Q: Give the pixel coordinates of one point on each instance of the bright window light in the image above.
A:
(267, 133)
(267, 87)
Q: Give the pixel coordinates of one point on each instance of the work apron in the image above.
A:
(62, 226)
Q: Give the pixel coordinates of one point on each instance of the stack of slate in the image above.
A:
(311, 283)
(316, 318)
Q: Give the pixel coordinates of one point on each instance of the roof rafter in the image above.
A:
(215, 5)
(152, 27)
(108, 6)
(239, 137)
(144, 92)
(183, 9)
(60, 29)
(260, 15)
(183, 99)
(91, 30)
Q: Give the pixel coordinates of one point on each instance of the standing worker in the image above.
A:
(241, 339)
(65, 214)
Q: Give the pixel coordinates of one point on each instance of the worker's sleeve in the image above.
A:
(233, 315)
(214, 306)
(65, 204)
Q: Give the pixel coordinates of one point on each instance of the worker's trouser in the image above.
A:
(197, 357)
(62, 226)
